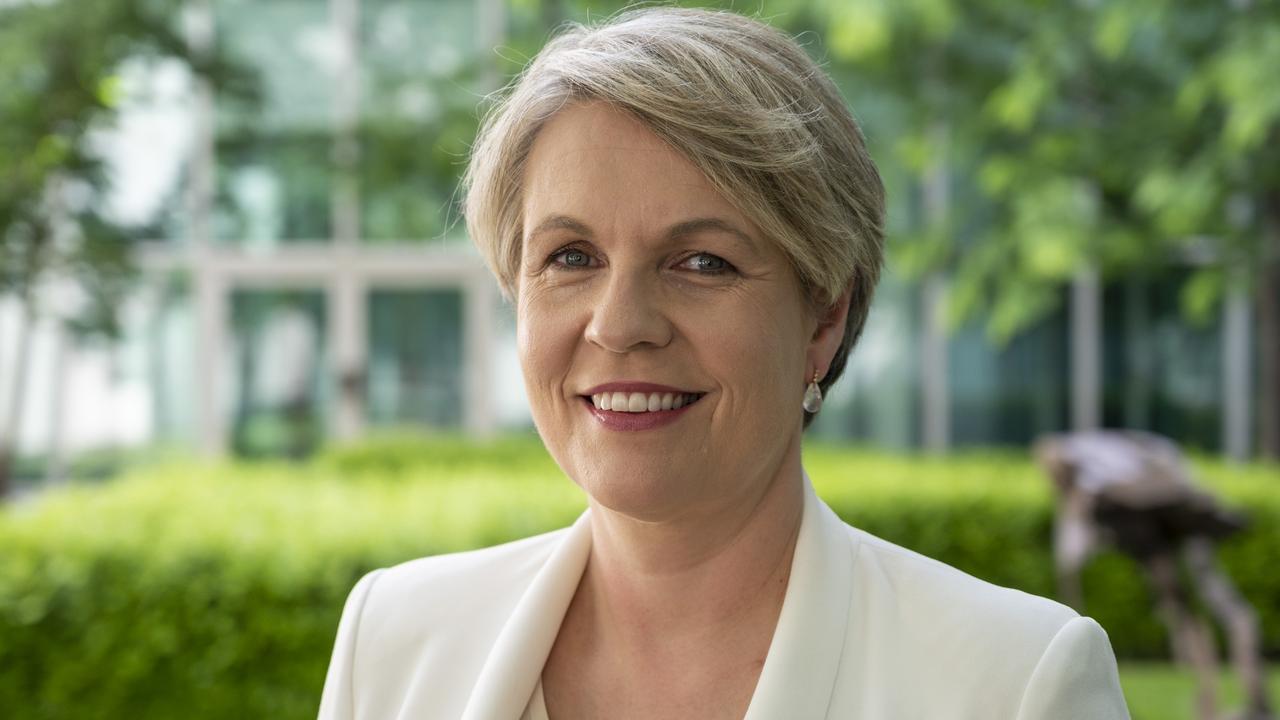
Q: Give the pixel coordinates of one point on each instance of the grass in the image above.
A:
(1160, 691)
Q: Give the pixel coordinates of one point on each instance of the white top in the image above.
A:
(867, 629)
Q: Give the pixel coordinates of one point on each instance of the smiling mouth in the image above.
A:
(638, 402)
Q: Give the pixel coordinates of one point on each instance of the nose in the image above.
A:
(628, 316)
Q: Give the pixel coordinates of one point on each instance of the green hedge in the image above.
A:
(214, 591)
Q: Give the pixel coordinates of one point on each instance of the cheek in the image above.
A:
(757, 349)
(545, 340)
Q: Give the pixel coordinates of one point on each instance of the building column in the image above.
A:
(479, 309)
(198, 200)
(344, 16)
(1237, 373)
(209, 287)
(348, 292)
(491, 32)
(936, 195)
(935, 388)
(1086, 350)
(349, 338)
(480, 295)
(212, 298)
(55, 471)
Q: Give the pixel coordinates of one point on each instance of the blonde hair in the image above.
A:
(739, 99)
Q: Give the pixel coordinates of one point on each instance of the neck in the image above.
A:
(647, 583)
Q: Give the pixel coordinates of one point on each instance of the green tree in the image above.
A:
(59, 82)
(1122, 136)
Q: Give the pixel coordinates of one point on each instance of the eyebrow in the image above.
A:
(680, 229)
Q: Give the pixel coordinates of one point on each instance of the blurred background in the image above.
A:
(241, 323)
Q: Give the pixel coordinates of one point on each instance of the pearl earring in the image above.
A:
(813, 395)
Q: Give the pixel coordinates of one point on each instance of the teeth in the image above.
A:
(641, 402)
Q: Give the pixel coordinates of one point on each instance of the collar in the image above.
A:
(799, 672)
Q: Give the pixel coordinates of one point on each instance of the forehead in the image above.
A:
(596, 162)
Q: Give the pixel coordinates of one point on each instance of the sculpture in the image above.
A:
(1133, 490)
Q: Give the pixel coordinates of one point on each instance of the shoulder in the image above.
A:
(921, 583)
(421, 630)
(430, 579)
(433, 592)
(417, 633)
(997, 651)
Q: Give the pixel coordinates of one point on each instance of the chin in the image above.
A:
(643, 489)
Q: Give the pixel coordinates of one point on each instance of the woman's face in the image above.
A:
(641, 287)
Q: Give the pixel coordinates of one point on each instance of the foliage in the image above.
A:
(224, 583)
(1119, 135)
(60, 83)
(221, 584)
(1027, 144)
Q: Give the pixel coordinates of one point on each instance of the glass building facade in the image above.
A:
(309, 276)
(308, 265)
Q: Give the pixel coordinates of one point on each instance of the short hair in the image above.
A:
(740, 100)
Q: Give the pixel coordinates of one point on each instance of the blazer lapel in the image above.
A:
(799, 672)
(511, 672)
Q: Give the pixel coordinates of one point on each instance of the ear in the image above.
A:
(829, 333)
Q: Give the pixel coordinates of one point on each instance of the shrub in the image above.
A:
(214, 591)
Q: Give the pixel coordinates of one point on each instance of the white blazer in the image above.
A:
(867, 630)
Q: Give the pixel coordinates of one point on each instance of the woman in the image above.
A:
(686, 218)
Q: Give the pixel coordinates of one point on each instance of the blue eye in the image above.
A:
(707, 263)
(571, 258)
